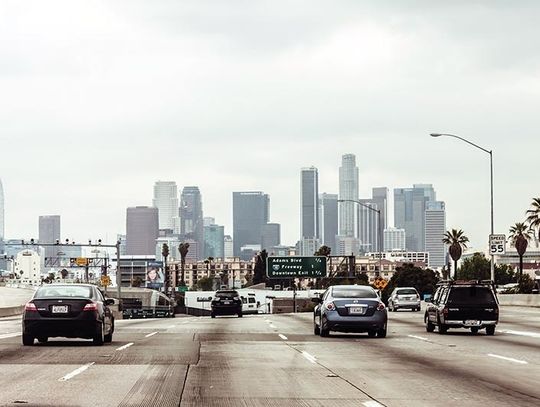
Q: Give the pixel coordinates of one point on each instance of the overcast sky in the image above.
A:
(99, 99)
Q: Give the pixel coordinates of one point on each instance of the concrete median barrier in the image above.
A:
(11, 311)
(523, 300)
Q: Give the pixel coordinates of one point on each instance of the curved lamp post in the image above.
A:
(490, 152)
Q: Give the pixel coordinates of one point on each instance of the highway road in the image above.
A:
(275, 360)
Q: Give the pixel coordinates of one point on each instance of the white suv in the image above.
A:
(404, 297)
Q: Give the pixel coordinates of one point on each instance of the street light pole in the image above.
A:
(378, 226)
(490, 152)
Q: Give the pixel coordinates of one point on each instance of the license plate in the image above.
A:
(60, 309)
(356, 310)
(226, 302)
(472, 322)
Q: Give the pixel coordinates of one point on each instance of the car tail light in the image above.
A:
(90, 307)
(330, 306)
(380, 307)
(30, 306)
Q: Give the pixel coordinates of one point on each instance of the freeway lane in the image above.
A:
(276, 360)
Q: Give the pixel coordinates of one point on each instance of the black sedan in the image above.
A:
(226, 302)
(68, 310)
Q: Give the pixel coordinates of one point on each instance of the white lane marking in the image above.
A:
(125, 346)
(13, 335)
(283, 337)
(170, 327)
(309, 357)
(75, 372)
(523, 333)
(418, 337)
(272, 326)
(372, 403)
(521, 362)
(149, 335)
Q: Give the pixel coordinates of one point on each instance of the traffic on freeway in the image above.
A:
(271, 360)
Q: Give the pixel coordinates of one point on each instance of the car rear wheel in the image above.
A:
(442, 329)
(27, 340)
(108, 338)
(381, 333)
(429, 326)
(99, 337)
(490, 330)
(240, 315)
(213, 315)
(42, 339)
(316, 329)
(372, 334)
(325, 332)
(474, 330)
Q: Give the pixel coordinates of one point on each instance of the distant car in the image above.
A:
(250, 305)
(463, 304)
(350, 308)
(404, 297)
(226, 302)
(68, 310)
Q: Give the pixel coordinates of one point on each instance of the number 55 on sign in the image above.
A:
(497, 244)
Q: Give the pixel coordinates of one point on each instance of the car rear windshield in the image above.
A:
(471, 295)
(354, 293)
(227, 294)
(63, 292)
(407, 291)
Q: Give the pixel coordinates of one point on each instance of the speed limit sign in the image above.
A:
(497, 244)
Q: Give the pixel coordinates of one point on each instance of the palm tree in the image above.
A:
(183, 249)
(520, 235)
(457, 241)
(533, 216)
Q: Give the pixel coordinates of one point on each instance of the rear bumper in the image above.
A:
(463, 324)
(226, 309)
(407, 304)
(64, 328)
(336, 322)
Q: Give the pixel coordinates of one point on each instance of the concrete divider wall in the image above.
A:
(11, 311)
(524, 300)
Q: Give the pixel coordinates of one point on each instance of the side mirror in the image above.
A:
(109, 301)
(316, 300)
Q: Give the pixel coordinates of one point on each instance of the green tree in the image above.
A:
(533, 216)
(64, 273)
(526, 284)
(504, 274)
(259, 272)
(476, 267)
(205, 284)
(323, 251)
(408, 275)
(457, 241)
(183, 248)
(520, 235)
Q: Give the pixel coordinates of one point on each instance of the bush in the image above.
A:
(526, 284)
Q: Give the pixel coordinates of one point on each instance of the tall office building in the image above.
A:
(214, 245)
(228, 246)
(49, 232)
(251, 211)
(370, 232)
(409, 213)
(2, 213)
(191, 219)
(309, 203)
(142, 230)
(379, 196)
(435, 221)
(271, 235)
(328, 223)
(394, 239)
(348, 189)
(166, 201)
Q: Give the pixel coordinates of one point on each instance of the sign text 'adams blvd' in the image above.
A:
(296, 267)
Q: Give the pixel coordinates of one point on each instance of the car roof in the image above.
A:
(352, 286)
(405, 288)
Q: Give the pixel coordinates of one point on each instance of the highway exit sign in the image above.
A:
(296, 267)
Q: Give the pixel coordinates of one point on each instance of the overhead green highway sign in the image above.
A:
(296, 267)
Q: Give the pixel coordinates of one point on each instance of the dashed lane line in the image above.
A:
(75, 372)
(421, 338)
(283, 337)
(521, 362)
(523, 333)
(372, 404)
(150, 335)
(125, 346)
(309, 357)
(12, 335)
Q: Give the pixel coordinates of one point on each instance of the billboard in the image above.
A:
(154, 275)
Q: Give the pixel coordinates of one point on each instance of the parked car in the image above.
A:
(68, 310)
(226, 302)
(463, 304)
(404, 297)
(350, 308)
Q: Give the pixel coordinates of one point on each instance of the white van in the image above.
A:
(250, 304)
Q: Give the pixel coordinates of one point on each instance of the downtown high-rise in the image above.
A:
(142, 230)
(328, 223)
(166, 201)
(348, 191)
(309, 209)
(191, 220)
(435, 224)
(251, 211)
(370, 232)
(49, 233)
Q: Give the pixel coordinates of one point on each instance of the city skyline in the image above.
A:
(153, 104)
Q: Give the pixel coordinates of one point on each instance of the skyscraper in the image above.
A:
(369, 230)
(394, 239)
(251, 210)
(271, 235)
(142, 230)
(228, 246)
(328, 204)
(2, 214)
(214, 241)
(348, 189)
(191, 218)
(49, 232)
(435, 227)
(166, 201)
(309, 203)
(409, 213)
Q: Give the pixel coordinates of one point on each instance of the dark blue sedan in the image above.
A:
(350, 308)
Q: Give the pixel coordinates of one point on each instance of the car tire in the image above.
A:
(27, 340)
(490, 330)
(381, 333)
(43, 339)
(316, 329)
(429, 325)
(390, 307)
(108, 338)
(474, 330)
(99, 337)
(324, 331)
(240, 315)
(372, 334)
(212, 315)
(443, 329)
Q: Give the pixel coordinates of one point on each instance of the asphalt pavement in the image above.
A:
(275, 360)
